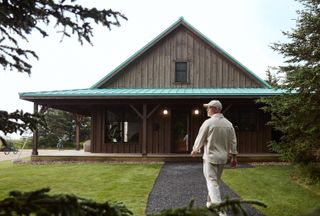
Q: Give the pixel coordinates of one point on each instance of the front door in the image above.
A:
(180, 131)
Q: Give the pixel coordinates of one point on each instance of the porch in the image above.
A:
(74, 155)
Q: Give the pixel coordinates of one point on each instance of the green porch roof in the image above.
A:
(150, 92)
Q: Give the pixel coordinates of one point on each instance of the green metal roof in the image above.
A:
(150, 92)
(180, 21)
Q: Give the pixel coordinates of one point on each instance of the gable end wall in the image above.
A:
(207, 68)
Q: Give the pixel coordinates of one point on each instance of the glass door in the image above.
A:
(180, 131)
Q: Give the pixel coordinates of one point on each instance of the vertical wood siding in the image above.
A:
(159, 132)
(207, 67)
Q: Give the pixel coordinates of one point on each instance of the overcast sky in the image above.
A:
(243, 28)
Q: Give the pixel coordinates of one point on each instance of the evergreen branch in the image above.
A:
(21, 17)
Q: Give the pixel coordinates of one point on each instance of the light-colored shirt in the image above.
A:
(218, 138)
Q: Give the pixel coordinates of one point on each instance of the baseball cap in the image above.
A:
(214, 103)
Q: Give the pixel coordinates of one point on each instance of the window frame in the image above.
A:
(186, 71)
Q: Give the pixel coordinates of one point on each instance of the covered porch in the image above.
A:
(157, 124)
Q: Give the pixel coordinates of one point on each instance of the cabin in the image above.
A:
(152, 104)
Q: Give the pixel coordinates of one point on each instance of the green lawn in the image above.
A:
(273, 186)
(129, 183)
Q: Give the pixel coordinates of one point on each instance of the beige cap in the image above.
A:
(214, 103)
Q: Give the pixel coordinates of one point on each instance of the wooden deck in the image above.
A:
(72, 155)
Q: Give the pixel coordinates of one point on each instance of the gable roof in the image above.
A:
(180, 22)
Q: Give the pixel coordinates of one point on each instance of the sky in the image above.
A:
(243, 28)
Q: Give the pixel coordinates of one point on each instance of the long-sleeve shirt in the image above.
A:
(218, 138)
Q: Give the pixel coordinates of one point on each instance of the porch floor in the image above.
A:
(74, 155)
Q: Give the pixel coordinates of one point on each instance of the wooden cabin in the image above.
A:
(152, 103)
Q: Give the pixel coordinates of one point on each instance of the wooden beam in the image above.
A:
(77, 119)
(144, 129)
(35, 138)
(137, 111)
(153, 110)
(227, 108)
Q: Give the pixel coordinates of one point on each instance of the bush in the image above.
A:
(18, 143)
(307, 173)
(39, 202)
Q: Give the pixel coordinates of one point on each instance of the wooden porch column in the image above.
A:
(77, 118)
(35, 138)
(144, 116)
(144, 129)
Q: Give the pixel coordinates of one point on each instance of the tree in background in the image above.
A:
(273, 78)
(18, 19)
(62, 124)
(296, 113)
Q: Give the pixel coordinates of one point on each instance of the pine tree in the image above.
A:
(296, 113)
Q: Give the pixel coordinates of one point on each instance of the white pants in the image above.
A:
(212, 173)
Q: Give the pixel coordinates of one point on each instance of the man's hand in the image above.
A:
(233, 161)
(193, 153)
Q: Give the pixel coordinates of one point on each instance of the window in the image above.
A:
(181, 72)
(244, 119)
(121, 126)
(248, 120)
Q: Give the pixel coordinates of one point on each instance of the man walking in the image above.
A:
(217, 137)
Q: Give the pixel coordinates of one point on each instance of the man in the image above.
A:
(217, 137)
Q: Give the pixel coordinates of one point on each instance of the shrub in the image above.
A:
(39, 202)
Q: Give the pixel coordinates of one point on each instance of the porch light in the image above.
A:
(165, 112)
(196, 112)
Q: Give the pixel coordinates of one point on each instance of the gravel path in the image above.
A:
(178, 183)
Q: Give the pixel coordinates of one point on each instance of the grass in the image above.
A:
(129, 183)
(274, 186)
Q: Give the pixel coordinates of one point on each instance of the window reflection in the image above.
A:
(122, 126)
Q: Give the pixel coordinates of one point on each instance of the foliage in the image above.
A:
(18, 143)
(19, 122)
(39, 202)
(295, 114)
(228, 205)
(18, 19)
(307, 173)
(272, 77)
(60, 124)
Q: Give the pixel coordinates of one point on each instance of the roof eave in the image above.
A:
(133, 97)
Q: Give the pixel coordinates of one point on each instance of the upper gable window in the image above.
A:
(181, 72)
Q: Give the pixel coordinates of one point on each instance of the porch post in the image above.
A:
(35, 138)
(144, 129)
(77, 118)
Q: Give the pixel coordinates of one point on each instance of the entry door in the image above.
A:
(180, 131)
